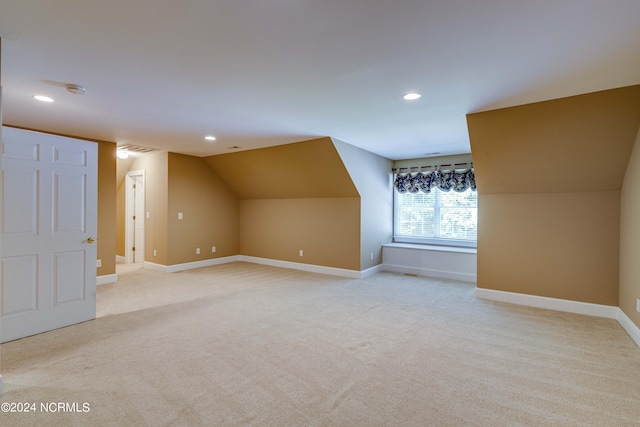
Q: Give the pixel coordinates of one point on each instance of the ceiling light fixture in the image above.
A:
(412, 96)
(122, 153)
(43, 98)
(210, 138)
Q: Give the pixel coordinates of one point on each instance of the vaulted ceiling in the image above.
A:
(255, 73)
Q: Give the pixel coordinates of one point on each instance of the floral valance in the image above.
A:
(456, 180)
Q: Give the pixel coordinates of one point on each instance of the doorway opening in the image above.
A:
(134, 217)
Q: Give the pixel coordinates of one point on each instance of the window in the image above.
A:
(437, 217)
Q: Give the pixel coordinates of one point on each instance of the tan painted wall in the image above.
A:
(548, 177)
(326, 229)
(305, 169)
(372, 177)
(155, 166)
(122, 167)
(580, 143)
(210, 212)
(106, 208)
(630, 237)
(292, 197)
(558, 245)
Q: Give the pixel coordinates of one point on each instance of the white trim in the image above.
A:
(629, 326)
(130, 212)
(154, 266)
(440, 274)
(342, 272)
(371, 271)
(352, 274)
(577, 307)
(447, 243)
(424, 247)
(1, 386)
(189, 265)
(120, 259)
(199, 264)
(106, 279)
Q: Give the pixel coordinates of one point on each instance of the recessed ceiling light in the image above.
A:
(210, 138)
(43, 98)
(411, 96)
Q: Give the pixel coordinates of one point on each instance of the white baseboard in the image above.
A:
(156, 267)
(629, 326)
(106, 279)
(120, 259)
(463, 277)
(577, 307)
(199, 264)
(190, 265)
(371, 271)
(342, 272)
(352, 274)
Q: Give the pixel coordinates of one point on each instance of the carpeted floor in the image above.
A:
(248, 345)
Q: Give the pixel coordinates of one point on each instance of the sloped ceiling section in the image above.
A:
(574, 144)
(307, 169)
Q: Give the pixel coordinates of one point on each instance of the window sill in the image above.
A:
(438, 248)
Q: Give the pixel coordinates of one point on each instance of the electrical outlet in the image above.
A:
(197, 251)
(213, 249)
(99, 263)
(371, 255)
(155, 252)
(638, 305)
(180, 216)
(147, 215)
(301, 252)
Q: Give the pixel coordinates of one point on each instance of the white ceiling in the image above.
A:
(255, 73)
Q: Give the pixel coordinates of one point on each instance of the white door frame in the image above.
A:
(130, 212)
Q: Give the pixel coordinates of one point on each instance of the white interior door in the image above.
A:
(134, 228)
(49, 205)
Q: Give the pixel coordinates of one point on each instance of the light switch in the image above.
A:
(179, 215)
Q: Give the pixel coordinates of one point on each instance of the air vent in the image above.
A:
(136, 148)
(76, 89)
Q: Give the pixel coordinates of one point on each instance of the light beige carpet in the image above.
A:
(248, 345)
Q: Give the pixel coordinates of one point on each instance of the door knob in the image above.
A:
(91, 240)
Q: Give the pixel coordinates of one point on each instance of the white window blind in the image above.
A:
(436, 217)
